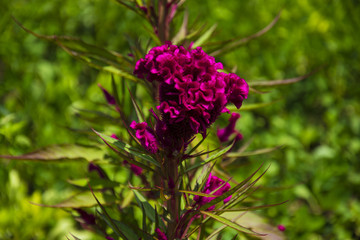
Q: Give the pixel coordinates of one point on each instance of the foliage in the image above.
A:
(317, 123)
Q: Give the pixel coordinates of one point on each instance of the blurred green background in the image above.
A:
(317, 120)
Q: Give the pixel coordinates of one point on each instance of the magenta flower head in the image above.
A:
(192, 93)
(211, 185)
(225, 133)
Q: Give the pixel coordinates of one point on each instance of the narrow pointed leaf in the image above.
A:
(180, 36)
(84, 199)
(252, 153)
(273, 83)
(65, 152)
(211, 158)
(205, 36)
(92, 55)
(149, 210)
(138, 111)
(98, 183)
(107, 218)
(231, 224)
(248, 208)
(127, 148)
(251, 106)
(198, 193)
(233, 44)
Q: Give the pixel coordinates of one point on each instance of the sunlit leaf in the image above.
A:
(234, 155)
(149, 210)
(258, 224)
(198, 193)
(231, 224)
(64, 152)
(84, 199)
(234, 43)
(203, 38)
(129, 149)
(273, 83)
(98, 183)
(250, 106)
(211, 158)
(92, 55)
(180, 36)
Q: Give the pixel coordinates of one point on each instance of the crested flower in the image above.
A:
(213, 183)
(192, 93)
(225, 133)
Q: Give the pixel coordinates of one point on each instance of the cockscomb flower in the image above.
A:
(225, 133)
(192, 93)
(213, 183)
(146, 138)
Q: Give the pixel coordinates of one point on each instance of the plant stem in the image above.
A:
(174, 202)
(163, 28)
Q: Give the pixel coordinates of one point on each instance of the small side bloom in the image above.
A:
(161, 235)
(86, 220)
(109, 98)
(281, 228)
(225, 133)
(146, 138)
(213, 183)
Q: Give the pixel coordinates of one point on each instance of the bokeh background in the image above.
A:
(317, 121)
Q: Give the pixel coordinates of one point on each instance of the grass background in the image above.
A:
(317, 120)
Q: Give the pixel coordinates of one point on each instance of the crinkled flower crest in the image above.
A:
(192, 93)
(213, 183)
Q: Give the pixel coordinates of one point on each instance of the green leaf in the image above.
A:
(149, 210)
(231, 224)
(252, 153)
(92, 55)
(251, 106)
(248, 208)
(129, 149)
(181, 35)
(84, 199)
(229, 45)
(257, 224)
(120, 228)
(65, 152)
(198, 193)
(203, 38)
(274, 83)
(98, 183)
(138, 111)
(211, 158)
